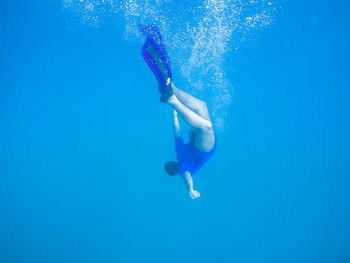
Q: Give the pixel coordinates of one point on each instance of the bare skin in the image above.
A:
(195, 113)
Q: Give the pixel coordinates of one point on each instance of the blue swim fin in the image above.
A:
(156, 56)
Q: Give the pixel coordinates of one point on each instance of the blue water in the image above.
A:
(83, 140)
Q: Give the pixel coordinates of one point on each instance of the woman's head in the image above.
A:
(171, 168)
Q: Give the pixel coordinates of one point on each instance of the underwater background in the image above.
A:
(83, 137)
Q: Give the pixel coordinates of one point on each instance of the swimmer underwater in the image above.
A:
(191, 155)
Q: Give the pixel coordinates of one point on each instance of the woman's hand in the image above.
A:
(194, 194)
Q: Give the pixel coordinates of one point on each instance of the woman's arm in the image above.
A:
(189, 184)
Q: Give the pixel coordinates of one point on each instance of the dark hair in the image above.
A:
(171, 168)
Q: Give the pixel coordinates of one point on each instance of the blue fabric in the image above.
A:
(188, 157)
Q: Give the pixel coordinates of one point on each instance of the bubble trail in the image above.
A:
(197, 33)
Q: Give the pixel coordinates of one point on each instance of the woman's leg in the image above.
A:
(196, 105)
(204, 133)
(192, 118)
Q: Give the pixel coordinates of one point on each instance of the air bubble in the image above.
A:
(198, 35)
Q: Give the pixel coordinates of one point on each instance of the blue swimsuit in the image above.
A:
(188, 157)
